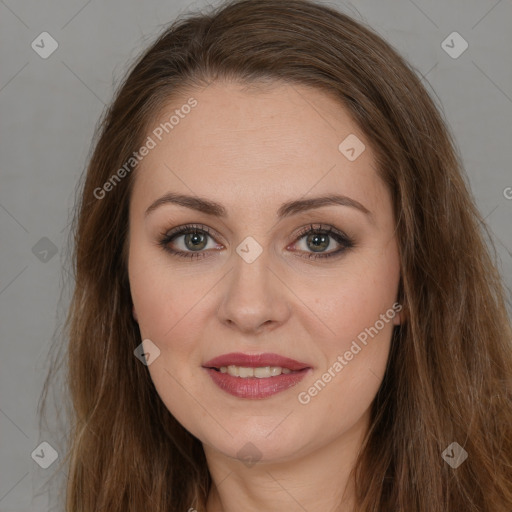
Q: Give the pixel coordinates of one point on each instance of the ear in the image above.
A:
(134, 313)
(400, 317)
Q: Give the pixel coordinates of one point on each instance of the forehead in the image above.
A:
(256, 143)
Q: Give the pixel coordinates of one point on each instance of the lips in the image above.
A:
(255, 361)
(257, 386)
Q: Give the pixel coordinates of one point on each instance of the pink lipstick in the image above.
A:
(255, 376)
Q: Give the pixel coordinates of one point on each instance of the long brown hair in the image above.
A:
(449, 373)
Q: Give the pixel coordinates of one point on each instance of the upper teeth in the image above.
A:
(262, 372)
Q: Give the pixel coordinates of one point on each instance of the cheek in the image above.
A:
(359, 314)
(167, 305)
(351, 299)
(340, 392)
(164, 297)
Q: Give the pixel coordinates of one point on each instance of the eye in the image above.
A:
(318, 238)
(195, 240)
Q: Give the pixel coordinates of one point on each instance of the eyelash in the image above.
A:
(167, 237)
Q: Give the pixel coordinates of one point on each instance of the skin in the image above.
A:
(252, 150)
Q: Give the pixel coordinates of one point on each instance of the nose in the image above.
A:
(255, 298)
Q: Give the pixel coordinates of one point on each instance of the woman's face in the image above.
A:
(256, 280)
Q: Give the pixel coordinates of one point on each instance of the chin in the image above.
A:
(254, 441)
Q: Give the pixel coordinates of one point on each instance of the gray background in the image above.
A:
(49, 110)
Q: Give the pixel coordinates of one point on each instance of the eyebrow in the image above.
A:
(287, 209)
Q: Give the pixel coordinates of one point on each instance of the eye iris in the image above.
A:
(195, 237)
(319, 240)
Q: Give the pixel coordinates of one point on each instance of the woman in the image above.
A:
(284, 299)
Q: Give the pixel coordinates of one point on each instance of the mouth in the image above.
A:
(260, 372)
(255, 376)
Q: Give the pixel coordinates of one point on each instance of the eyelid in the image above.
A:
(318, 226)
(190, 227)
